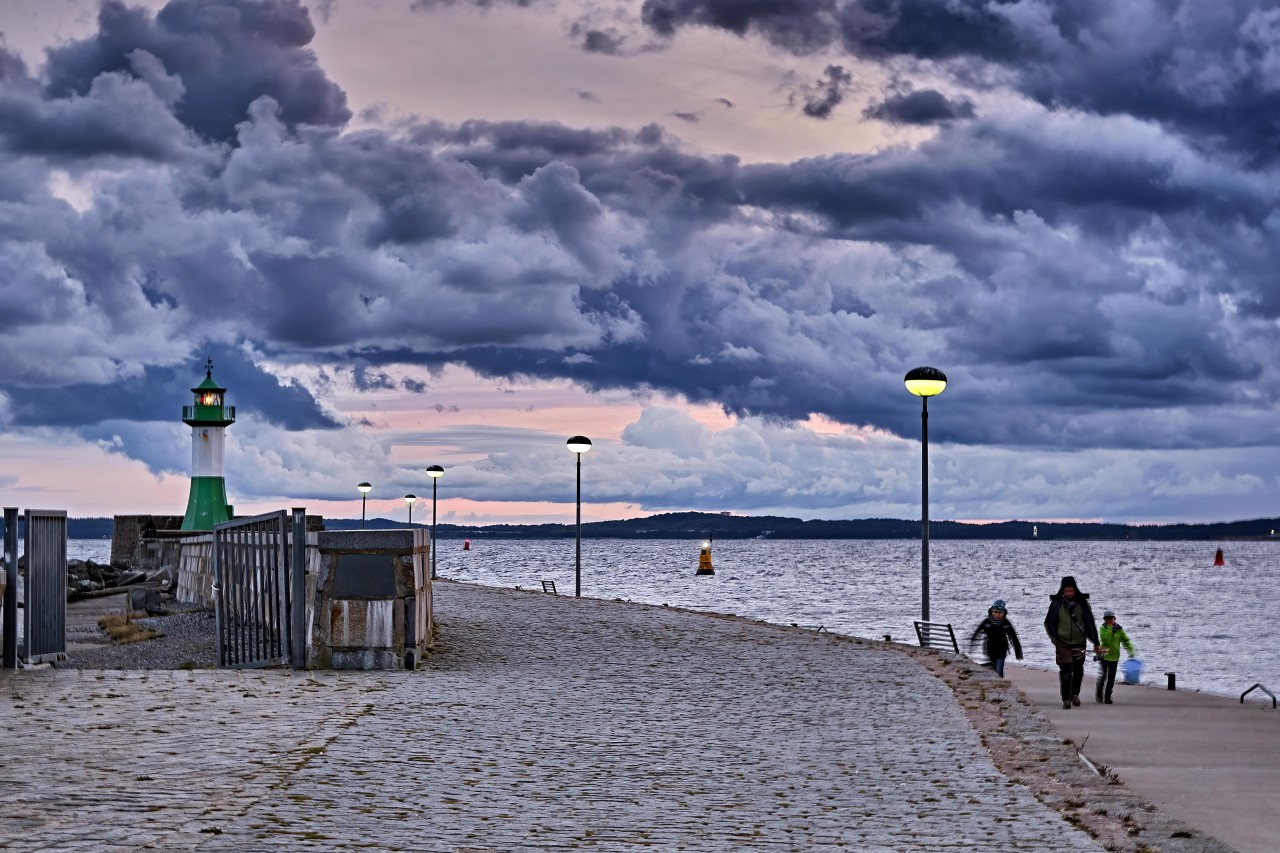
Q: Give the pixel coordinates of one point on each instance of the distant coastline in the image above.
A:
(693, 525)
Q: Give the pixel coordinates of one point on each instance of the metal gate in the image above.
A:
(45, 600)
(258, 611)
(9, 637)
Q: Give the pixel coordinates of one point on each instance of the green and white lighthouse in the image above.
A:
(208, 418)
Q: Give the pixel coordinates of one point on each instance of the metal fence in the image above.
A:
(258, 623)
(9, 636)
(45, 586)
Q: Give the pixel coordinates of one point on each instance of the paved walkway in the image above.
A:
(1209, 760)
(541, 723)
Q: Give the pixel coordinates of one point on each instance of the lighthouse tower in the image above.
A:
(208, 419)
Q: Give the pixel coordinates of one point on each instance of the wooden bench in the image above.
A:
(549, 586)
(937, 635)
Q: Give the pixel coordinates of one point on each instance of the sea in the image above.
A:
(1209, 625)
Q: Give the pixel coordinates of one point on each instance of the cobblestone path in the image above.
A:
(540, 723)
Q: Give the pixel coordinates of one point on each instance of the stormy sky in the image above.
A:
(711, 235)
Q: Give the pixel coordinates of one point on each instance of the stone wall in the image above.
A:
(136, 540)
(372, 600)
(195, 570)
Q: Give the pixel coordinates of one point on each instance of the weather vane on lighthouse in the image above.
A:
(208, 418)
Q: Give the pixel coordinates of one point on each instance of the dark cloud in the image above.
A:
(223, 54)
(159, 392)
(724, 102)
(414, 386)
(1075, 271)
(926, 106)
(801, 26)
(609, 42)
(691, 118)
(1205, 69)
(429, 5)
(819, 100)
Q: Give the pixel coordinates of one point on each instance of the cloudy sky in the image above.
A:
(711, 235)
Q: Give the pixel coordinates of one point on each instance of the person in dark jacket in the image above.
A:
(1070, 626)
(998, 635)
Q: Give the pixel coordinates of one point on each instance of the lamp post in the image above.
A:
(435, 472)
(409, 499)
(579, 444)
(364, 494)
(925, 382)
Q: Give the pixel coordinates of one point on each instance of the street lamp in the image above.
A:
(435, 472)
(579, 444)
(409, 499)
(925, 382)
(364, 494)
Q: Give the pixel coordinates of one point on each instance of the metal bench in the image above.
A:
(549, 586)
(937, 635)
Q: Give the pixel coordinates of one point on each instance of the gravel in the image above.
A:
(187, 641)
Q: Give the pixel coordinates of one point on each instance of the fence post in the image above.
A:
(298, 590)
(11, 588)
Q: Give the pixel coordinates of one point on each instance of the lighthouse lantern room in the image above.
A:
(208, 418)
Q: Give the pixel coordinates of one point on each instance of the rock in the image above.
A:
(164, 575)
(143, 598)
(129, 578)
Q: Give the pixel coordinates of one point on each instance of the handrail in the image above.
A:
(1263, 689)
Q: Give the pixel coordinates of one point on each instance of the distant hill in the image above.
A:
(89, 528)
(695, 525)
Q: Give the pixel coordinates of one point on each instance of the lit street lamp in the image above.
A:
(364, 494)
(409, 499)
(579, 444)
(435, 472)
(925, 382)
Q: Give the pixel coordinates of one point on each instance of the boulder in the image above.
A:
(165, 575)
(142, 598)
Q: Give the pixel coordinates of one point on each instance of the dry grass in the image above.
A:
(121, 629)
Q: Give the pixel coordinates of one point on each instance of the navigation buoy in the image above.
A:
(466, 544)
(1218, 560)
(704, 560)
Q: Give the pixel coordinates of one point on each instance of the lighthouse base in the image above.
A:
(206, 504)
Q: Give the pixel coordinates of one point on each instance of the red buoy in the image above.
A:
(466, 544)
(1217, 559)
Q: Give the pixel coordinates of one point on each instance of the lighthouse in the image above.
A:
(208, 418)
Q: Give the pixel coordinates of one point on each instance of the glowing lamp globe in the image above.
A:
(926, 381)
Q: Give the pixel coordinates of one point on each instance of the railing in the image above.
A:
(1264, 690)
(190, 413)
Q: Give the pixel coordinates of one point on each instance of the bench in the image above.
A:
(937, 635)
(549, 586)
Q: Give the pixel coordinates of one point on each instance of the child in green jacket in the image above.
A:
(1110, 638)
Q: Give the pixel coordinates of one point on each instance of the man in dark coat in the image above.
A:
(1070, 626)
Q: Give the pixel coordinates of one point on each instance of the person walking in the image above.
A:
(998, 636)
(1070, 626)
(1111, 637)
